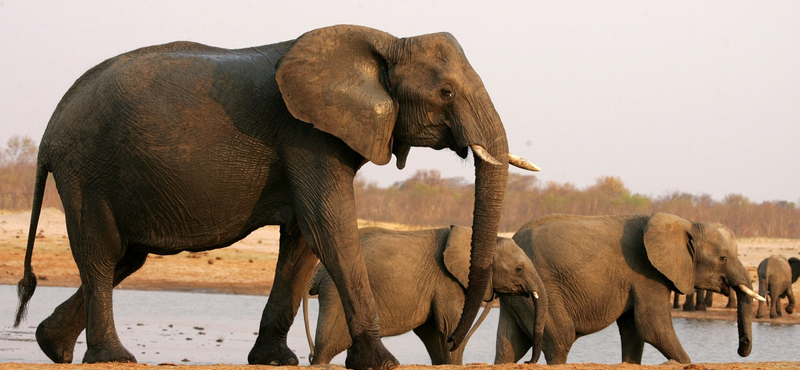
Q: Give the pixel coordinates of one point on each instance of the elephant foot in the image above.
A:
(274, 355)
(56, 342)
(789, 310)
(368, 353)
(108, 353)
(700, 308)
(759, 315)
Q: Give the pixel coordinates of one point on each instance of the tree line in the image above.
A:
(428, 200)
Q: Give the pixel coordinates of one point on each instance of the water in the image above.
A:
(195, 328)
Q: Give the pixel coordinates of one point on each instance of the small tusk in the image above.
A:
(751, 293)
(535, 295)
(481, 152)
(522, 163)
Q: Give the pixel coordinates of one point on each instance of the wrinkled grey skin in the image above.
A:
(602, 269)
(187, 147)
(701, 299)
(776, 275)
(418, 279)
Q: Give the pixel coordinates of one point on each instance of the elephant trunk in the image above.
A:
(490, 188)
(744, 318)
(739, 280)
(540, 313)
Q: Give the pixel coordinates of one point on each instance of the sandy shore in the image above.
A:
(248, 267)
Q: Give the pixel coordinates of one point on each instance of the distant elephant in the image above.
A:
(601, 269)
(418, 279)
(776, 275)
(700, 298)
(188, 147)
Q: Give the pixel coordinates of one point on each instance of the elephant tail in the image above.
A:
(313, 289)
(311, 353)
(27, 285)
(763, 288)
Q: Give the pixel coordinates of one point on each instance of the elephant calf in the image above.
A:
(776, 275)
(598, 270)
(418, 279)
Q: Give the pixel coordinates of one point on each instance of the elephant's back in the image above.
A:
(176, 132)
(154, 86)
(581, 262)
(403, 273)
(776, 269)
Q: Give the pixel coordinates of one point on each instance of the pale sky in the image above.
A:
(700, 97)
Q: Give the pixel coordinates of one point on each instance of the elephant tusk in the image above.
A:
(751, 293)
(481, 152)
(522, 163)
(535, 295)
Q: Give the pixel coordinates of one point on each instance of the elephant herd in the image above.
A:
(560, 277)
(188, 147)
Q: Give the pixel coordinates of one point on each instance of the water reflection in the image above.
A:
(197, 328)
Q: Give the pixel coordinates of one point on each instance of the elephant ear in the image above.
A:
(333, 79)
(456, 257)
(667, 239)
(794, 263)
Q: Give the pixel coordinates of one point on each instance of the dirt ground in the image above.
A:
(248, 267)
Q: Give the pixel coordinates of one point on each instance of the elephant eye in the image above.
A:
(446, 93)
(723, 258)
(520, 270)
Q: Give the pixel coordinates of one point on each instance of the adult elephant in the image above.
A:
(700, 299)
(601, 269)
(187, 147)
(418, 279)
(776, 275)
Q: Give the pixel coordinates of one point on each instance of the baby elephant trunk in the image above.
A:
(539, 298)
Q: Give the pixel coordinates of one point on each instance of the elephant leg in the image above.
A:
(762, 291)
(632, 345)
(559, 336)
(700, 300)
(709, 301)
(295, 265)
(653, 321)
(332, 337)
(512, 341)
(790, 296)
(57, 334)
(435, 342)
(775, 303)
(676, 300)
(760, 310)
(98, 251)
(328, 219)
(689, 303)
(732, 300)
